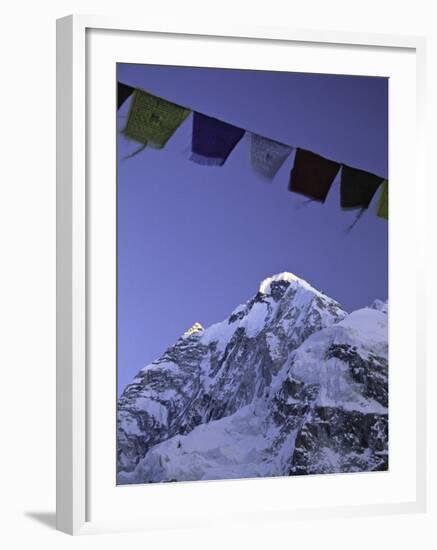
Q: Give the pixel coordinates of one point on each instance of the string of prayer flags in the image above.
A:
(267, 156)
(123, 92)
(312, 175)
(357, 187)
(382, 210)
(213, 140)
(153, 120)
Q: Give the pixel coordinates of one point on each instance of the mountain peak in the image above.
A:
(197, 327)
(287, 277)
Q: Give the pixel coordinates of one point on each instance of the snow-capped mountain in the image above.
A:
(289, 384)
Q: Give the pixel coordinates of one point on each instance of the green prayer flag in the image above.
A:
(152, 119)
(382, 210)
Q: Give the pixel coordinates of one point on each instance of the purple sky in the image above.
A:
(196, 241)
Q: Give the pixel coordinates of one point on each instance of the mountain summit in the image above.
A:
(197, 327)
(285, 277)
(288, 384)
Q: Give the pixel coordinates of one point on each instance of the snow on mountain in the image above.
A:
(289, 384)
(380, 306)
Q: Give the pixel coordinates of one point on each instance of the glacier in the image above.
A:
(288, 384)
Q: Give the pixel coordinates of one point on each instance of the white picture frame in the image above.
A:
(74, 341)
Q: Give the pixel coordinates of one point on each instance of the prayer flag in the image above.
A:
(213, 140)
(153, 120)
(382, 210)
(123, 92)
(357, 187)
(312, 175)
(267, 156)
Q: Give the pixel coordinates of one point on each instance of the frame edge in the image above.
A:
(70, 277)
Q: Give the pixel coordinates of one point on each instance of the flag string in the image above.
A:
(152, 120)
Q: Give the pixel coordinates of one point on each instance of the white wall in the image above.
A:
(27, 273)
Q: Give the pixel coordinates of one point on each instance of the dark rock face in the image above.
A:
(371, 373)
(334, 440)
(288, 384)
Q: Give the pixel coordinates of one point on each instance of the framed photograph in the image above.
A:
(240, 275)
